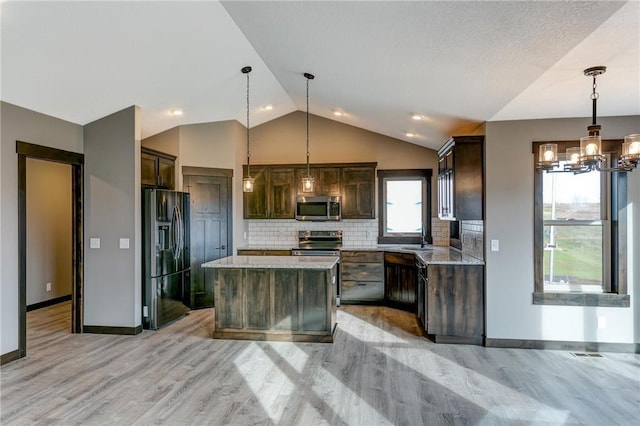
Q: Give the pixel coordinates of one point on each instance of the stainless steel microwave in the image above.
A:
(318, 208)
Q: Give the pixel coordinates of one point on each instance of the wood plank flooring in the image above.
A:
(378, 371)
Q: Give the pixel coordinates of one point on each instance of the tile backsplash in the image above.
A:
(472, 238)
(355, 233)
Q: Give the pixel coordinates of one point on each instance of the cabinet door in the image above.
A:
(401, 280)
(281, 193)
(455, 301)
(358, 196)
(255, 203)
(148, 169)
(166, 173)
(327, 180)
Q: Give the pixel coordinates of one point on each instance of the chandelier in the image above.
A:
(588, 156)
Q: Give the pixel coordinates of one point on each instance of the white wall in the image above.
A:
(49, 230)
(20, 124)
(509, 218)
(112, 287)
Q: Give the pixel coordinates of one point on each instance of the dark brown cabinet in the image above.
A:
(358, 192)
(460, 178)
(362, 276)
(276, 187)
(455, 303)
(157, 169)
(327, 180)
(273, 193)
(400, 281)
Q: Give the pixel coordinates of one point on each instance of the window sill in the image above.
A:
(611, 300)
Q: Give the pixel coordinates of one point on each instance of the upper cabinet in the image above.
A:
(273, 193)
(157, 169)
(460, 178)
(358, 192)
(327, 180)
(276, 187)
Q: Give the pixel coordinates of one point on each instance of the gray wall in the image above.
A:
(112, 211)
(49, 230)
(20, 124)
(509, 218)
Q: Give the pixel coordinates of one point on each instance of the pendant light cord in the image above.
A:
(308, 173)
(247, 70)
(594, 98)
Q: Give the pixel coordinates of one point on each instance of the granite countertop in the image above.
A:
(435, 255)
(274, 262)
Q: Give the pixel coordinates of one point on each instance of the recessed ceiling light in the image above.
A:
(175, 111)
(338, 113)
(409, 134)
(267, 107)
(416, 116)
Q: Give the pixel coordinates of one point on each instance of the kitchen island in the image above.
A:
(291, 298)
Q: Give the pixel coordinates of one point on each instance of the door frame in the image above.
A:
(76, 160)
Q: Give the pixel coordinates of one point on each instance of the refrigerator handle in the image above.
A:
(180, 242)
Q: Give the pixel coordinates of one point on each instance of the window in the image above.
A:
(404, 206)
(578, 239)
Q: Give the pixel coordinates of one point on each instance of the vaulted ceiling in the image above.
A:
(458, 64)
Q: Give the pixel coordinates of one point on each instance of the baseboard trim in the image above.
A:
(460, 340)
(49, 302)
(100, 329)
(9, 357)
(563, 345)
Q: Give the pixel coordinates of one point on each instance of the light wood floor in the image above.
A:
(378, 371)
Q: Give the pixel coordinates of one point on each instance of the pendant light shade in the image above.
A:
(248, 181)
(308, 182)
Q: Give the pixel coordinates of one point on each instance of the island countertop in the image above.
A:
(274, 262)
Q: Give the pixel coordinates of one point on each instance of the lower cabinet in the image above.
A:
(400, 278)
(362, 277)
(455, 303)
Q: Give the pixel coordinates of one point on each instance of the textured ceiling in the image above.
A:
(457, 63)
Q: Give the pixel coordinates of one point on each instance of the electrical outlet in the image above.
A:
(94, 243)
(48, 286)
(495, 245)
(124, 243)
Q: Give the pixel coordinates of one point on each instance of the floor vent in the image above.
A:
(586, 355)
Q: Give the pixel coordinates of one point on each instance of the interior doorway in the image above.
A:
(27, 151)
(211, 227)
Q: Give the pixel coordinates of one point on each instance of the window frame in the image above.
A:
(405, 174)
(614, 242)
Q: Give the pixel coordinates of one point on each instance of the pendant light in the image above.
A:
(308, 182)
(248, 181)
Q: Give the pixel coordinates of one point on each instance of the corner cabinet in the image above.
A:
(400, 281)
(461, 178)
(157, 169)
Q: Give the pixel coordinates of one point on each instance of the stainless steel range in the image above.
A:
(320, 243)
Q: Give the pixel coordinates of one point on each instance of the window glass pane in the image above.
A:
(569, 196)
(573, 258)
(404, 206)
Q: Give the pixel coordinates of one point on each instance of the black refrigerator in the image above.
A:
(166, 261)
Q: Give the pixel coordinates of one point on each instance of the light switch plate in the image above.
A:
(495, 245)
(124, 243)
(94, 243)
